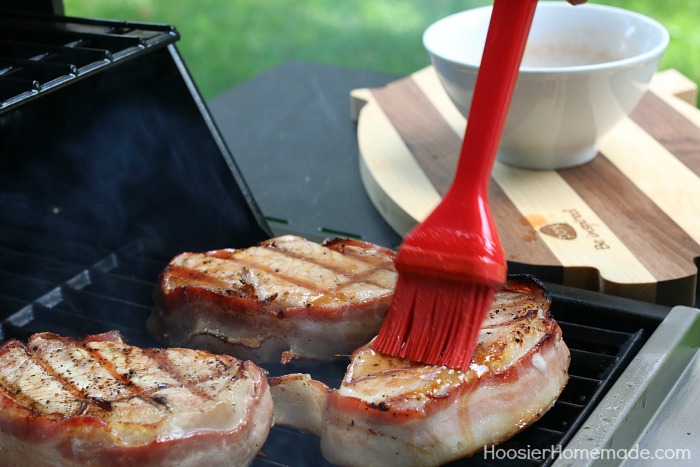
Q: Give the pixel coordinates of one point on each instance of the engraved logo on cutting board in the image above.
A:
(565, 231)
(560, 230)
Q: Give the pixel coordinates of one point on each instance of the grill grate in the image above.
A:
(41, 54)
(114, 292)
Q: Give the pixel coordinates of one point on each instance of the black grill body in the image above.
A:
(110, 164)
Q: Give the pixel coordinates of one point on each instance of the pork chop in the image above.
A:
(389, 411)
(99, 401)
(285, 298)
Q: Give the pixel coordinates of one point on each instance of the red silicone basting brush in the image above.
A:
(451, 264)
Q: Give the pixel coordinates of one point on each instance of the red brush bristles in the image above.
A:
(435, 321)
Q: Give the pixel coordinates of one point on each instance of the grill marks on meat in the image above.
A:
(289, 272)
(53, 377)
(390, 411)
(284, 298)
(54, 390)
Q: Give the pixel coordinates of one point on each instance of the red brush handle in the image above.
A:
(498, 73)
(462, 223)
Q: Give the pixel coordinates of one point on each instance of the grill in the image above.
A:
(110, 164)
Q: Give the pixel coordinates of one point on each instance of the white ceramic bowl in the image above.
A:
(585, 68)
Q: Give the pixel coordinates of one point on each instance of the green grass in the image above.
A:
(227, 42)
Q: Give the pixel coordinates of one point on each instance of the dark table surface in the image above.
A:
(291, 133)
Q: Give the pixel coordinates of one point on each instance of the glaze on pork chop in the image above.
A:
(389, 411)
(99, 401)
(285, 298)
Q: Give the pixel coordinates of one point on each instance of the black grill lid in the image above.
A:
(39, 54)
(122, 148)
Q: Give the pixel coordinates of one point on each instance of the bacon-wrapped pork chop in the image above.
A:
(389, 411)
(287, 297)
(99, 401)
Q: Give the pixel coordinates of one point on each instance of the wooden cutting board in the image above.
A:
(627, 223)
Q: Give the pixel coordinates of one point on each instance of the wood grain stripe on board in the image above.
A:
(429, 83)
(394, 181)
(633, 217)
(664, 179)
(677, 134)
(424, 131)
